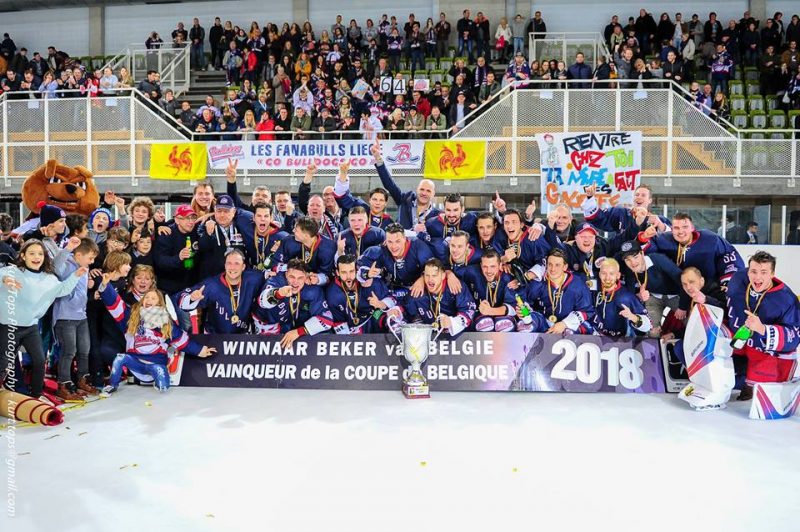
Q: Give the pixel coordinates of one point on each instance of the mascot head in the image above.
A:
(71, 189)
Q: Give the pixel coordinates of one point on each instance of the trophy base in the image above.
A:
(416, 391)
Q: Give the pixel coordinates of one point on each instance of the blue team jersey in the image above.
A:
(570, 303)
(352, 308)
(398, 273)
(714, 256)
(607, 307)
(222, 302)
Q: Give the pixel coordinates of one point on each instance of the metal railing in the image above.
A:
(113, 135)
(171, 62)
(562, 46)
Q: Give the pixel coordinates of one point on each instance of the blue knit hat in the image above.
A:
(100, 210)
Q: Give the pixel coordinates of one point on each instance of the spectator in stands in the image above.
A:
(518, 70)
(696, 30)
(181, 32)
(792, 32)
(790, 59)
(11, 82)
(265, 126)
(443, 29)
(602, 72)
(482, 35)
(580, 70)
(770, 35)
(38, 66)
(186, 116)
(687, 51)
(459, 111)
(48, 87)
(640, 72)
(301, 123)
(518, 34)
(395, 47)
(769, 65)
(209, 104)
(7, 47)
(108, 82)
(168, 103)
(283, 123)
(721, 69)
(665, 29)
(503, 36)
(125, 79)
(673, 68)
(415, 121)
(436, 122)
(20, 62)
(751, 44)
(646, 30)
(324, 123)
(416, 47)
(719, 108)
(217, 43)
(466, 35)
(624, 63)
(232, 61)
(488, 89)
(228, 124)
(206, 122)
(197, 34)
(793, 92)
(149, 86)
(712, 29)
(537, 25)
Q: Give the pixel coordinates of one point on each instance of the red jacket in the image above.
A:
(269, 125)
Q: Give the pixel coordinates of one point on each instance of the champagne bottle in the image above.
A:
(524, 311)
(188, 262)
(740, 338)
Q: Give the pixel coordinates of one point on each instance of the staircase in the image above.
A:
(202, 84)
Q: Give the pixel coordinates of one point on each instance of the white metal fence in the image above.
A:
(172, 64)
(113, 135)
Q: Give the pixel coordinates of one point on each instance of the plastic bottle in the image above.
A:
(524, 311)
(741, 337)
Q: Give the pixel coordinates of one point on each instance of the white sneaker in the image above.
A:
(107, 391)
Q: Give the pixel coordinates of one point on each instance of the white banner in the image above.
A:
(326, 154)
(572, 161)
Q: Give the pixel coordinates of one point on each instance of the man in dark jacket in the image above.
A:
(174, 260)
(536, 25)
(197, 34)
(215, 35)
(579, 70)
(466, 35)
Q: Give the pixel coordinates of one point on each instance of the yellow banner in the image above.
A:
(180, 162)
(455, 159)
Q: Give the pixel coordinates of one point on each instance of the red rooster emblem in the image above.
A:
(448, 159)
(182, 162)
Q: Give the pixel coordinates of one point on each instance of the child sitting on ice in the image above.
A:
(149, 333)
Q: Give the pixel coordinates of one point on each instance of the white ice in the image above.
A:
(285, 460)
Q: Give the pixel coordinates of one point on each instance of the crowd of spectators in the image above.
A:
(305, 82)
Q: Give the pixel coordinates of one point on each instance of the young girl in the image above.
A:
(149, 333)
(28, 289)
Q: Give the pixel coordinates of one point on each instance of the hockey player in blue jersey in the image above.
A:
(486, 232)
(294, 307)
(360, 236)
(522, 257)
(618, 219)
(317, 252)
(444, 224)
(357, 308)
(414, 208)
(618, 312)
(771, 312)
(654, 279)
(438, 305)
(399, 262)
(589, 250)
(460, 254)
(564, 300)
(488, 285)
(714, 256)
(267, 238)
(228, 299)
(378, 198)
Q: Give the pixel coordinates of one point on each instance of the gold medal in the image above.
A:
(552, 319)
(235, 319)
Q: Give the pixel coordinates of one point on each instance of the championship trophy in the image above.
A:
(415, 345)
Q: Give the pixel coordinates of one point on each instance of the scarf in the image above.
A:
(154, 317)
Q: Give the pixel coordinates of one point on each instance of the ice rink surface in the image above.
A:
(199, 459)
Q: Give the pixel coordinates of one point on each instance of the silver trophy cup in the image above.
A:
(415, 345)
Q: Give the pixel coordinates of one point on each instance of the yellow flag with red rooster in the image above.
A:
(180, 161)
(455, 159)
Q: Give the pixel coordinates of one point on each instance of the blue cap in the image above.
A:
(585, 226)
(225, 202)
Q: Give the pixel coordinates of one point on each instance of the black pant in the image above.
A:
(28, 337)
